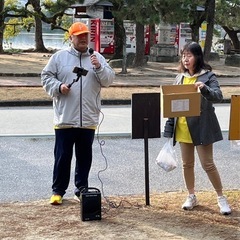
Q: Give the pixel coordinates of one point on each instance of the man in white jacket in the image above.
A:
(73, 77)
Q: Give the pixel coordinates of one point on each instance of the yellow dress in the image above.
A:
(182, 131)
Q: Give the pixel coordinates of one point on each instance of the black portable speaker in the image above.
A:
(90, 201)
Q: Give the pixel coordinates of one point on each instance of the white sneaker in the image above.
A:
(76, 198)
(190, 203)
(224, 206)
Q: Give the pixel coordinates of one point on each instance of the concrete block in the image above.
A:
(233, 60)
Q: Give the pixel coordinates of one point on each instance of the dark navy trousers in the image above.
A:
(66, 140)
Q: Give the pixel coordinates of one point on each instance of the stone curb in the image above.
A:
(20, 74)
(118, 74)
(49, 103)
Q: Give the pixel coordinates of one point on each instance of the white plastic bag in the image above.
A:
(235, 144)
(167, 158)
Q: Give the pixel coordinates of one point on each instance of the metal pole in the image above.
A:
(145, 129)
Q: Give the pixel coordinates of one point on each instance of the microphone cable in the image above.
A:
(101, 143)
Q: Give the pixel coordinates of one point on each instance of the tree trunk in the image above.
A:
(2, 26)
(210, 9)
(119, 33)
(39, 45)
(152, 34)
(124, 61)
(198, 18)
(234, 37)
(140, 45)
(195, 32)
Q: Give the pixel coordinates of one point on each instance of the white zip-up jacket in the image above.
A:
(82, 105)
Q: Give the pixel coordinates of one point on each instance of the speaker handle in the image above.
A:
(85, 190)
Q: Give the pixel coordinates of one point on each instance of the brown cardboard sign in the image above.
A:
(234, 123)
(180, 100)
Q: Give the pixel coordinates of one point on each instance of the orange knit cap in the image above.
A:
(78, 28)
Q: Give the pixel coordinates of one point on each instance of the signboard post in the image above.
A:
(146, 124)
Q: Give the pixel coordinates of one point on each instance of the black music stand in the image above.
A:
(146, 123)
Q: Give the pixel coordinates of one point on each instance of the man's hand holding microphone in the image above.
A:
(94, 59)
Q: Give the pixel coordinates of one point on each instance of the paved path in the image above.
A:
(123, 81)
(38, 121)
(118, 168)
(26, 153)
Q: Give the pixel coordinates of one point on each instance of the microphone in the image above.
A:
(90, 50)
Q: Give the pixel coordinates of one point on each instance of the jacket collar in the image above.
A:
(186, 74)
(76, 53)
(201, 76)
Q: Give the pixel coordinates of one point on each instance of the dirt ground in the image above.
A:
(123, 217)
(37, 93)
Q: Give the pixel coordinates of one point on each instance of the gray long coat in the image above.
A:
(204, 129)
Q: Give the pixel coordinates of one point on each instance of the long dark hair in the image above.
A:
(196, 50)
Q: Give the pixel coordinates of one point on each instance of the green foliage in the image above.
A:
(28, 23)
(10, 3)
(180, 11)
(13, 51)
(55, 6)
(169, 11)
(66, 23)
(227, 13)
(173, 11)
(59, 5)
(12, 7)
(216, 33)
(12, 28)
(142, 11)
(14, 19)
(48, 4)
